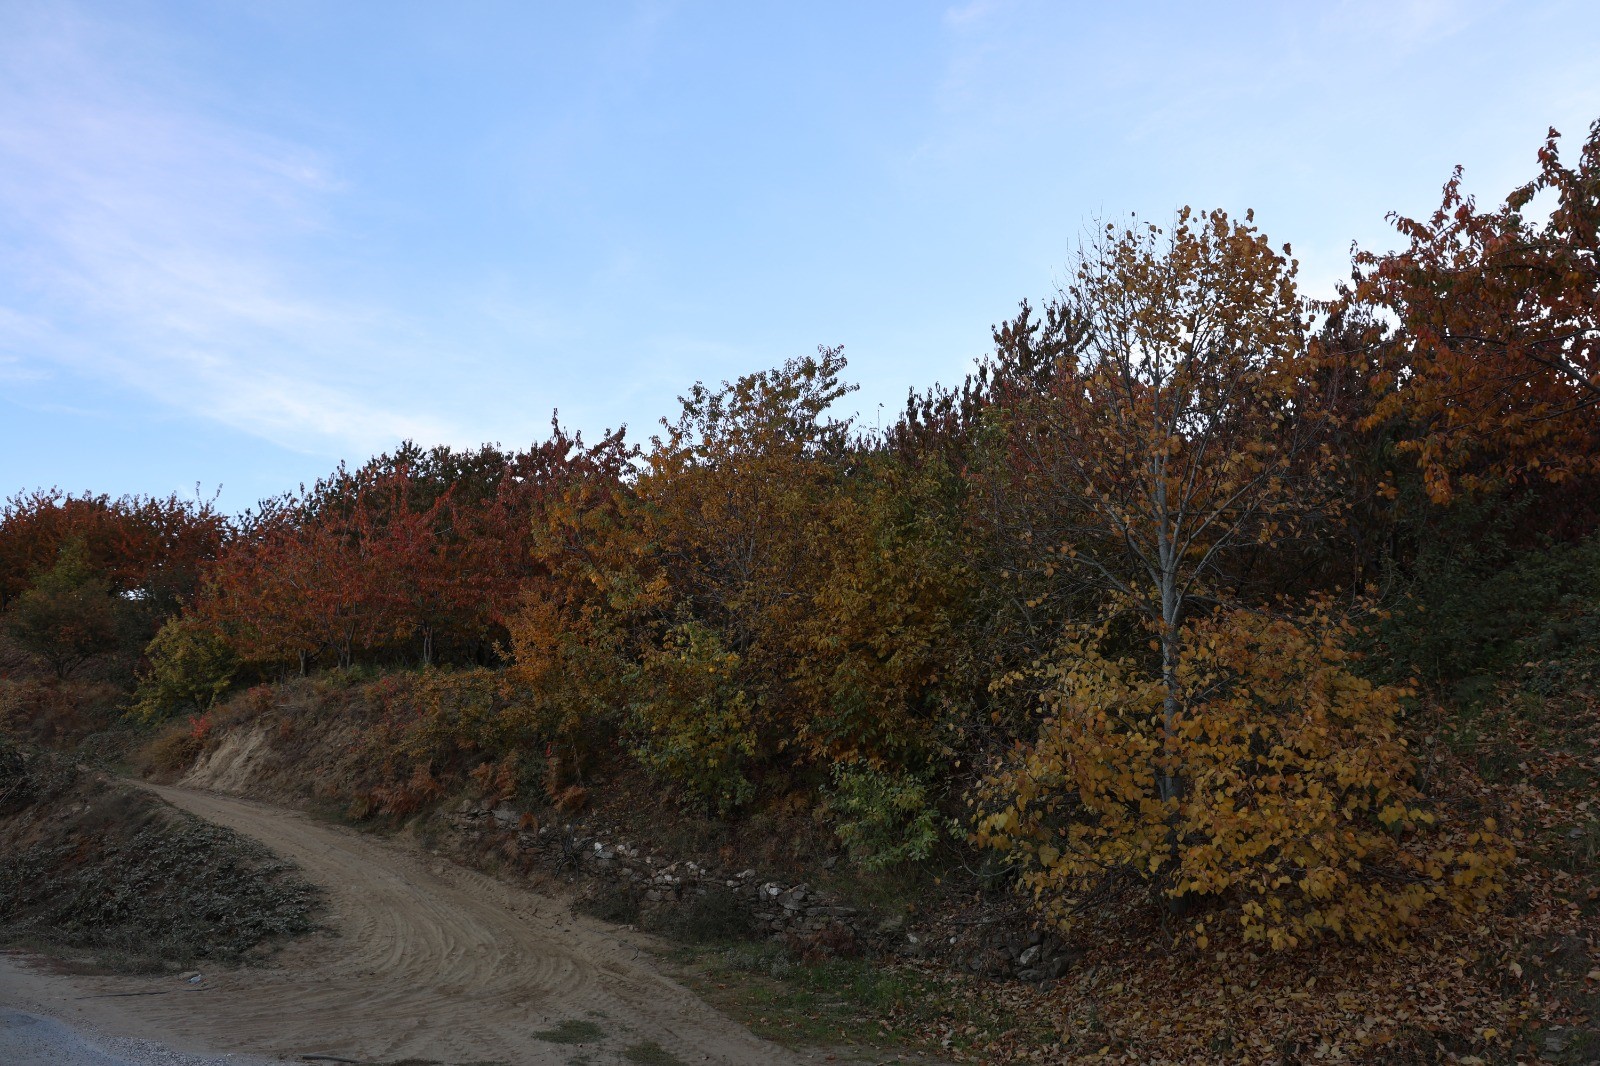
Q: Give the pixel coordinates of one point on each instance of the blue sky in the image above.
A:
(240, 241)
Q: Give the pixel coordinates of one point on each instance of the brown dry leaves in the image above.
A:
(1472, 994)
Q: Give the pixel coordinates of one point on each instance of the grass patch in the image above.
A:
(651, 1053)
(851, 1002)
(716, 917)
(571, 1031)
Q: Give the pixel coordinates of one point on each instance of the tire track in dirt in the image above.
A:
(429, 961)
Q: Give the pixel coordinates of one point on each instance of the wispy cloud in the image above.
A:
(151, 243)
(1401, 26)
(972, 11)
(1023, 65)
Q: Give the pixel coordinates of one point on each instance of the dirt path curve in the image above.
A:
(429, 961)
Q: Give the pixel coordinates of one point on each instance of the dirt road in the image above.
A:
(425, 961)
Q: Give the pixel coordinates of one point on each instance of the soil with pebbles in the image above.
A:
(33, 1040)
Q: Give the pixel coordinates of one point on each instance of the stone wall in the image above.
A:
(1000, 947)
(779, 910)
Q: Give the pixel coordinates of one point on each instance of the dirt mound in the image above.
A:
(96, 867)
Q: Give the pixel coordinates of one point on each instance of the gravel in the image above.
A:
(31, 1040)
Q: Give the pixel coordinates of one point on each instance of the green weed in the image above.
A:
(651, 1053)
(571, 1031)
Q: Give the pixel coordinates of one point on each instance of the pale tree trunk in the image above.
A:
(1170, 780)
(1170, 777)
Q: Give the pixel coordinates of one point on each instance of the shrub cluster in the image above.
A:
(1090, 591)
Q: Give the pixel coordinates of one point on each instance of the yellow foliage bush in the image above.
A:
(1296, 814)
(878, 657)
(432, 714)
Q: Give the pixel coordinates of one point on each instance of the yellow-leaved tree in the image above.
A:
(1163, 420)
(1164, 425)
(1298, 816)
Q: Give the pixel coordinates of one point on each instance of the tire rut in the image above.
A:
(429, 961)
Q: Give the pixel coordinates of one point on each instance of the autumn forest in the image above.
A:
(1203, 618)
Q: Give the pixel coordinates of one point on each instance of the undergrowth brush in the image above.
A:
(858, 1004)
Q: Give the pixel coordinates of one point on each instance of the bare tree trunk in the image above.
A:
(1168, 556)
(1170, 781)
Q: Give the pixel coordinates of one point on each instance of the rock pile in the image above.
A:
(1031, 955)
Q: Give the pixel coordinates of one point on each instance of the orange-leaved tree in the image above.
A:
(580, 619)
(1493, 377)
(883, 655)
(150, 549)
(69, 616)
(732, 499)
(292, 585)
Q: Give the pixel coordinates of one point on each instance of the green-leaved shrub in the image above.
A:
(885, 818)
(692, 721)
(188, 666)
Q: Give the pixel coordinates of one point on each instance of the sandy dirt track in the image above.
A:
(426, 960)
